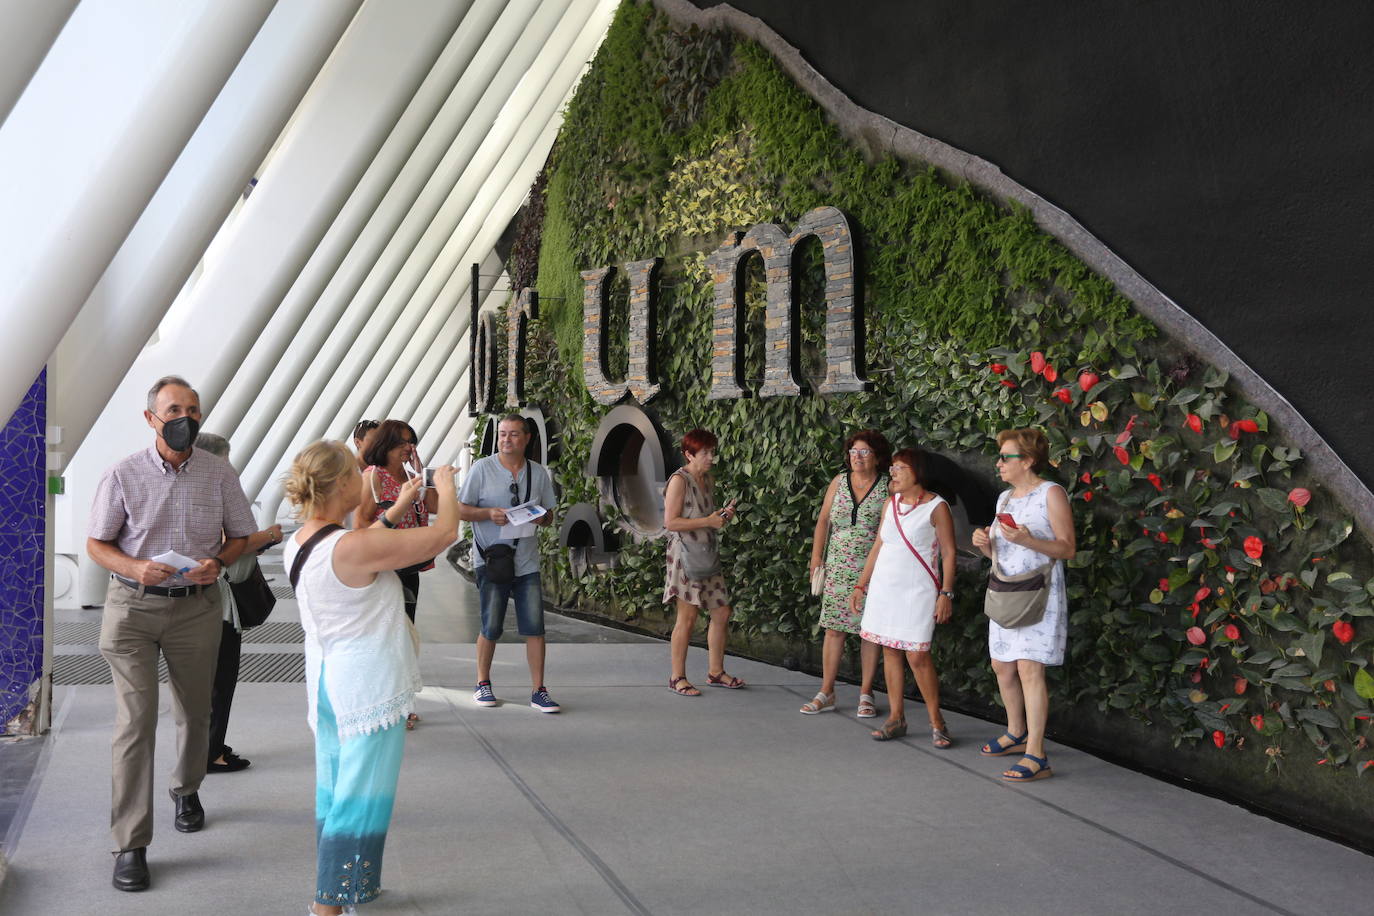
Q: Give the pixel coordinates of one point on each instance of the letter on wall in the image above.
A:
(782, 332)
(642, 378)
(522, 311)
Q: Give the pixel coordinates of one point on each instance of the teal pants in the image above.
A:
(355, 789)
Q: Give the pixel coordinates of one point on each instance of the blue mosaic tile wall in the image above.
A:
(22, 507)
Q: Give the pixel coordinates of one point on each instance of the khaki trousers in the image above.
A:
(133, 630)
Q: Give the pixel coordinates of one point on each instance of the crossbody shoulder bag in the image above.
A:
(500, 557)
(1016, 601)
(914, 552)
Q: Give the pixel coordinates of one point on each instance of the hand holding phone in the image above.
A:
(1006, 520)
(429, 477)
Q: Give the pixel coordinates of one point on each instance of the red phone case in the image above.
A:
(1006, 519)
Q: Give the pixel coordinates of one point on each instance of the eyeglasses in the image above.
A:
(897, 467)
(1007, 456)
(860, 452)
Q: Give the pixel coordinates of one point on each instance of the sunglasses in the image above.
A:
(514, 495)
(1007, 457)
(860, 452)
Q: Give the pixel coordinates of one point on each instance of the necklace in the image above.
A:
(898, 504)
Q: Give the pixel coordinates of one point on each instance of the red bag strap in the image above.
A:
(898, 519)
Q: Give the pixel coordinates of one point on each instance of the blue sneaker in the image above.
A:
(483, 696)
(541, 701)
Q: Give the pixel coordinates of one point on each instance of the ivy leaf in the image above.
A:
(1311, 645)
(1364, 684)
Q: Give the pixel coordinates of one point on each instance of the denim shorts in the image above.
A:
(529, 604)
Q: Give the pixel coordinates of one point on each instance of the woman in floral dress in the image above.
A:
(1043, 533)
(692, 520)
(850, 513)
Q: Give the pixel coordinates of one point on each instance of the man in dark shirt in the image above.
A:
(166, 521)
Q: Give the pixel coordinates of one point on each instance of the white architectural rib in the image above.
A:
(373, 219)
(87, 144)
(152, 265)
(27, 31)
(341, 123)
(412, 292)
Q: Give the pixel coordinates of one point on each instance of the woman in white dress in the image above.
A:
(1043, 530)
(900, 595)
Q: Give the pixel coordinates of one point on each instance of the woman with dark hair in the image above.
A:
(360, 660)
(1035, 528)
(392, 496)
(902, 595)
(694, 579)
(850, 513)
(363, 435)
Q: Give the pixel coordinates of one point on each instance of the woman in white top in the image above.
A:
(361, 669)
(900, 595)
(1043, 532)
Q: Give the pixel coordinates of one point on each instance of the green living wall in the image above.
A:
(1219, 598)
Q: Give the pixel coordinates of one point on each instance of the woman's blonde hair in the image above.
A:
(315, 473)
(1031, 443)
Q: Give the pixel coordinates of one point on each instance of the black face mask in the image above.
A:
(180, 434)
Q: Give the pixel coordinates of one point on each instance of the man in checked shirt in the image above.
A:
(169, 497)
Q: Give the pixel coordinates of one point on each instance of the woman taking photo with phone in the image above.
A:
(361, 668)
(902, 594)
(694, 580)
(1033, 531)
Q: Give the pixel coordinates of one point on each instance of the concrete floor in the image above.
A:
(637, 800)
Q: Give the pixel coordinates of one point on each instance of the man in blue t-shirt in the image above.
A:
(493, 485)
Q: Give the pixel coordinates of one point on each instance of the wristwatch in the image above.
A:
(949, 595)
(387, 522)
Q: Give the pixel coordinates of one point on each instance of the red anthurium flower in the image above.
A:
(1195, 677)
(1037, 362)
(1241, 685)
(1194, 422)
(1088, 496)
(1163, 538)
(1232, 632)
(1086, 380)
(1230, 569)
(1254, 547)
(1243, 426)
(1343, 631)
(1086, 477)
(1267, 586)
(1330, 685)
(1064, 395)
(1008, 382)
(1051, 374)
(1299, 496)
(1196, 636)
(1156, 482)
(1163, 585)
(1123, 436)
(1219, 738)
(997, 368)
(1202, 594)
(1257, 721)
(1130, 424)
(1122, 455)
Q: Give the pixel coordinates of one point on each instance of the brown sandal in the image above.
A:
(682, 687)
(728, 681)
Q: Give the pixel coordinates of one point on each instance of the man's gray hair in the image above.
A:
(215, 445)
(163, 383)
(515, 418)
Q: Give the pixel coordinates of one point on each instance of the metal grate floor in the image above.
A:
(284, 591)
(88, 633)
(254, 668)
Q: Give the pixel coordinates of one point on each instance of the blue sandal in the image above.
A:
(995, 747)
(1019, 773)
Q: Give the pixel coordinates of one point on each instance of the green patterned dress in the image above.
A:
(852, 530)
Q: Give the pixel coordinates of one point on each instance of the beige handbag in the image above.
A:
(818, 580)
(1016, 601)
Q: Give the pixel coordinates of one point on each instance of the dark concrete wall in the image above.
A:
(1222, 149)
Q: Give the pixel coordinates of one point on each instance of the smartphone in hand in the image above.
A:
(429, 477)
(1006, 520)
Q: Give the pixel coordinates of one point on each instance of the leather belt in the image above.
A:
(162, 591)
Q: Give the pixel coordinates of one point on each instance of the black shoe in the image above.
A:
(131, 870)
(190, 815)
(232, 764)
